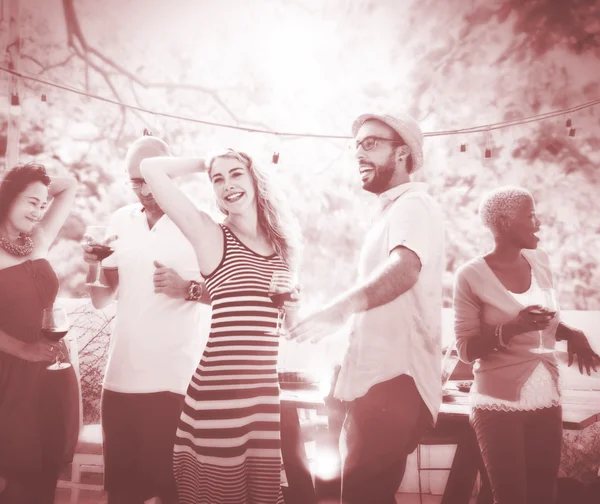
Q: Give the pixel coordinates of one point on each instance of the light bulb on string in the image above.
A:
(463, 147)
(488, 144)
(15, 104)
(44, 98)
(569, 123)
(572, 132)
(274, 145)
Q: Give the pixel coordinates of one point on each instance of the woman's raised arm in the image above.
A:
(62, 191)
(199, 228)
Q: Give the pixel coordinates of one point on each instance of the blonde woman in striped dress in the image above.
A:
(228, 441)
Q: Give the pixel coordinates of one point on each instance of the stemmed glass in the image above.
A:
(101, 248)
(55, 325)
(546, 299)
(280, 291)
(449, 362)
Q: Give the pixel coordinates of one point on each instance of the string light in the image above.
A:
(462, 131)
(488, 144)
(569, 123)
(275, 159)
(44, 98)
(463, 147)
(15, 104)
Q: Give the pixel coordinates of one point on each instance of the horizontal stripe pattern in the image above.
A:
(228, 447)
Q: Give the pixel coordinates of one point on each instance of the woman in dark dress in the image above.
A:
(39, 416)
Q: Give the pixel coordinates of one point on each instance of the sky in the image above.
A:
(293, 54)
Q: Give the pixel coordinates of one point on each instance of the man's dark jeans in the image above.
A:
(380, 430)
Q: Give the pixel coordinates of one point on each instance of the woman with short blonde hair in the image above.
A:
(499, 328)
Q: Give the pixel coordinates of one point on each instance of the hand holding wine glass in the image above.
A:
(97, 247)
(55, 325)
(544, 308)
(281, 290)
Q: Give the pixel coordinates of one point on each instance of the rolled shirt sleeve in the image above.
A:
(410, 226)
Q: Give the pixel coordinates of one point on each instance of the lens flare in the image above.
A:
(327, 464)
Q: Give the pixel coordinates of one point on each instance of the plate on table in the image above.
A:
(464, 386)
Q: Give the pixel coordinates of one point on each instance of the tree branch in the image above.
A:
(58, 63)
(84, 51)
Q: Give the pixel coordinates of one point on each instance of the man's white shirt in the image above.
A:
(157, 341)
(404, 335)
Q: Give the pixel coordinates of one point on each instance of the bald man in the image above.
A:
(156, 341)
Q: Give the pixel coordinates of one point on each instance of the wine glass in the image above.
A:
(280, 291)
(101, 248)
(449, 362)
(546, 299)
(55, 325)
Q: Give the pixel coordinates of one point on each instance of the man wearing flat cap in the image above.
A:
(390, 379)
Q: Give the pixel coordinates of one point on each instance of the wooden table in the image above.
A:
(581, 408)
(300, 488)
(304, 399)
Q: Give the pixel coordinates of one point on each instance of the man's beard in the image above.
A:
(382, 174)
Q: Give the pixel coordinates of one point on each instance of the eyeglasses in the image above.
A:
(370, 142)
(136, 183)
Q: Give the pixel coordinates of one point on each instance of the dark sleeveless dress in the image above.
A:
(39, 409)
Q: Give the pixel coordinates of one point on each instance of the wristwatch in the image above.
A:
(194, 291)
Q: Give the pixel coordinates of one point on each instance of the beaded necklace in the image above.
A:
(18, 250)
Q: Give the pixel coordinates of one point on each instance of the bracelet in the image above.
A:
(500, 340)
(498, 337)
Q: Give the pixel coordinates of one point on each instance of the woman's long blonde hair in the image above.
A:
(275, 217)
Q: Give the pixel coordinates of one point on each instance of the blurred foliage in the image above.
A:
(92, 329)
(449, 63)
(581, 454)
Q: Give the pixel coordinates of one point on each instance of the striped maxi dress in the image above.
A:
(228, 448)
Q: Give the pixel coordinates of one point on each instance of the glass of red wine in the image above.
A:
(546, 299)
(101, 248)
(55, 325)
(280, 291)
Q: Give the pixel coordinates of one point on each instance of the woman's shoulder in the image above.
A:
(473, 267)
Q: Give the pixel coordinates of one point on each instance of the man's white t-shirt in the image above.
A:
(403, 336)
(157, 341)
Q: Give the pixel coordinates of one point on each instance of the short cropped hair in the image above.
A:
(503, 201)
(145, 147)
